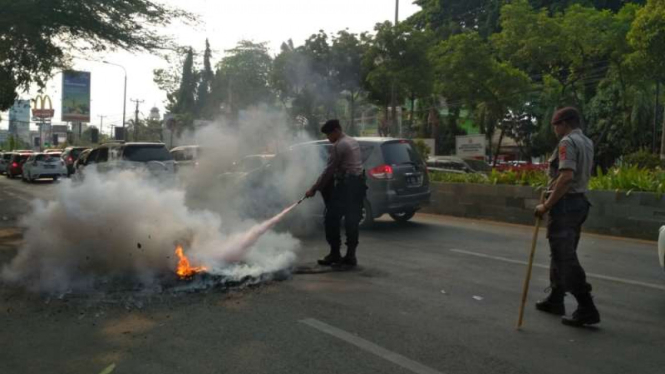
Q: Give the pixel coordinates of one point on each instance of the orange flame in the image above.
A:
(185, 270)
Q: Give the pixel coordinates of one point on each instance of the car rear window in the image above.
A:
(7, 156)
(478, 165)
(146, 153)
(401, 152)
(47, 157)
(75, 153)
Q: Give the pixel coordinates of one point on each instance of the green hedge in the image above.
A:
(626, 179)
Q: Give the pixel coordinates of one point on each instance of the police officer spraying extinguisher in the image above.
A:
(342, 185)
(570, 170)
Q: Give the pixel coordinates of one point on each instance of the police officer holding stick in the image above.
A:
(567, 205)
(342, 185)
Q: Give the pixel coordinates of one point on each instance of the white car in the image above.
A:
(661, 247)
(43, 165)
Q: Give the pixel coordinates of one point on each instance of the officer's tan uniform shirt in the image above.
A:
(575, 152)
(344, 159)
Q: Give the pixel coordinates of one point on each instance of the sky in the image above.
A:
(224, 23)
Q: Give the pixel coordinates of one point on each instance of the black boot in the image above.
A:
(586, 313)
(349, 261)
(553, 304)
(333, 258)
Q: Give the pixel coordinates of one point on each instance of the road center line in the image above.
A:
(590, 275)
(370, 347)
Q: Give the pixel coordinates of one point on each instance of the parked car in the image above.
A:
(15, 166)
(397, 179)
(70, 156)
(81, 160)
(661, 247)
(4, 161)
(130, 156)
(452, 164)
(187, 156)
(43, 165)
(251, 162)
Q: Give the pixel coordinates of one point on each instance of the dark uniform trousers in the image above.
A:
(344, 199)
(563, 231)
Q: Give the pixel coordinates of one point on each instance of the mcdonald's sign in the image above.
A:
(39, 109)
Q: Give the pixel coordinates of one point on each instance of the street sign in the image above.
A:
(470, 146)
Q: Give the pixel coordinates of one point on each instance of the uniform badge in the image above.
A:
(562, 152)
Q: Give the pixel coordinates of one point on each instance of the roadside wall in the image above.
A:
(639, 215)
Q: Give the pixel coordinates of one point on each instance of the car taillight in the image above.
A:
(382, 172)
(14, 164)
(70, 159)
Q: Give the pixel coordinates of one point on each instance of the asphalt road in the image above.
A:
(438, 295)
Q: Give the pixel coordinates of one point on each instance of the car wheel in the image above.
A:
(55, 179)
(403, 216)
(367, 219)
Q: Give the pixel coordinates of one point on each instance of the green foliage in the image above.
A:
(468, 71)
(647, 36)
(644, 160)
(621, 179)
(629, 179)
(37, 38)
(243, 77)
(533, 178)
(423, 149)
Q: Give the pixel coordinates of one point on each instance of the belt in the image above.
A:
(348, 176)
(569, 196)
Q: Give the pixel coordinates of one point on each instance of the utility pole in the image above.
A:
(136, 118)
(393, 94)
(101, 124)
(396, 12)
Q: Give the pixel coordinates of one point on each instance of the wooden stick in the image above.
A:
(534, 242)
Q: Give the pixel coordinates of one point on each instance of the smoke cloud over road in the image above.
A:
(125, 225)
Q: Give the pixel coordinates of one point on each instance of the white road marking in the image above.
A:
(370, 347)
(590, 275)
(17, 196)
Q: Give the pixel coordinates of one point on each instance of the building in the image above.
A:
(154, 114)
(4, 138)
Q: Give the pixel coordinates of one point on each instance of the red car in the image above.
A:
(15, 166)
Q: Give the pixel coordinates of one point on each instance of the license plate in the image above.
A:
(49, 166)
(414, 180)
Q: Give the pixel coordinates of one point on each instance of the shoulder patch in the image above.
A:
(562, 152)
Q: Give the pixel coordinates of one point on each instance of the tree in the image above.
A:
(466, 69)
(185, 97)
(451, 17)
(207, 75)
(647, 36)
(347, 53)
(38, 38)
(383, 62)
(243, 78)
(578, 57)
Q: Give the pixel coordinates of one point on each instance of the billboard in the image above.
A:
(76, 96)
(19, 119)
(471, 146)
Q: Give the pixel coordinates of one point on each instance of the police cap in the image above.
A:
(330, 126)
(567, 114)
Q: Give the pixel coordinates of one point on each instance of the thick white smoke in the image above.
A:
(125, 225)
